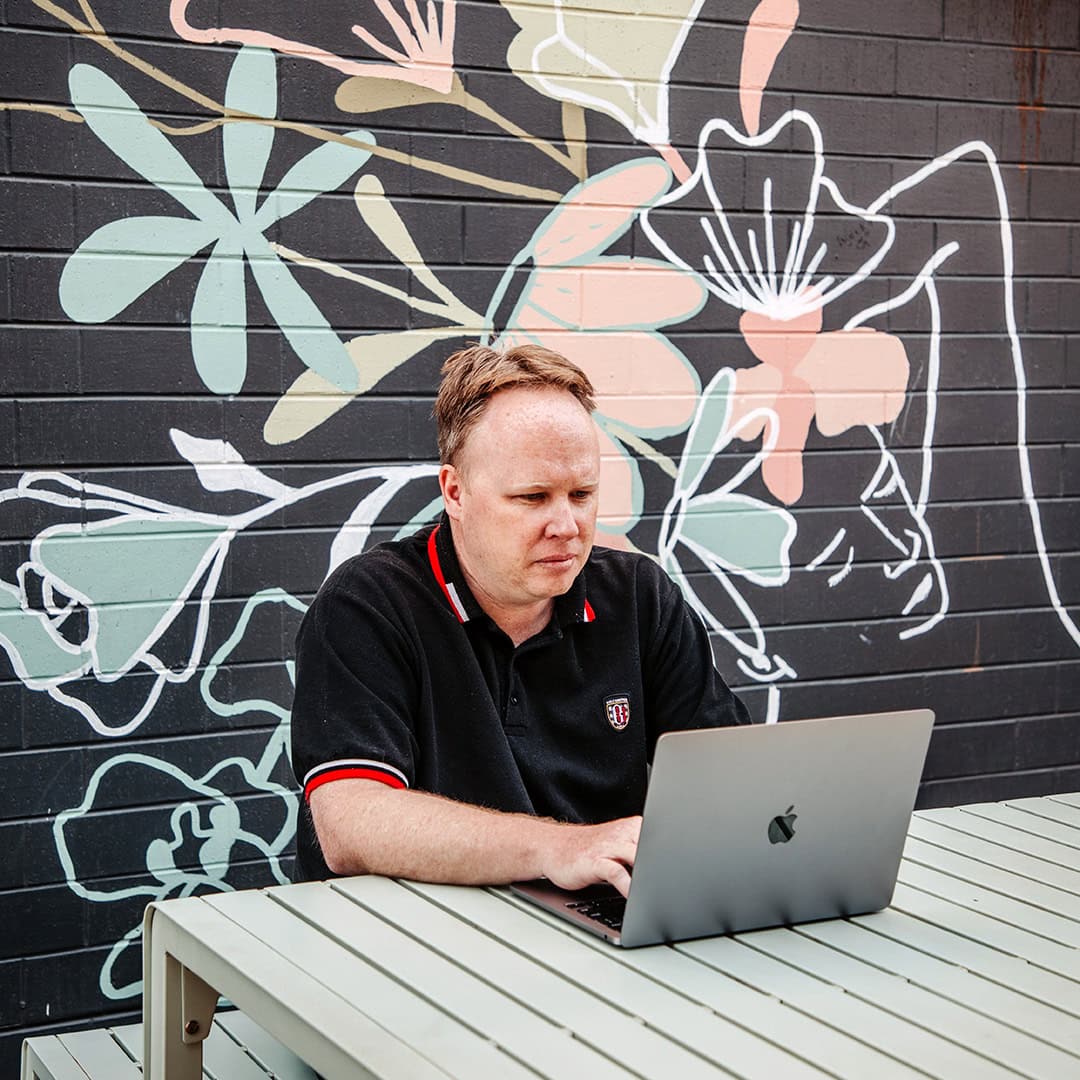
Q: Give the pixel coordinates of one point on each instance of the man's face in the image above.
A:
(523, 496)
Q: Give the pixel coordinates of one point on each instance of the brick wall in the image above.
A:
(221, 338)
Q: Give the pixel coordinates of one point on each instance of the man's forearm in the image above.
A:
(367, 827)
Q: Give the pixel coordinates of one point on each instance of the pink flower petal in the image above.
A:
(782, 470)
(616, 486)
(642, 381)
(638, 293)
(767, 32)
(858, 377)
(780, 344)
(601, 209)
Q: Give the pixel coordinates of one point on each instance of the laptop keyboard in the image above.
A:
(606, 909)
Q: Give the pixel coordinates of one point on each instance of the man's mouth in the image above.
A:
(557, 560)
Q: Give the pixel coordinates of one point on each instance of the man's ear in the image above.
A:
(450, 484)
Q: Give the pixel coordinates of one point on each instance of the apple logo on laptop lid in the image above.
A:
(782, 827)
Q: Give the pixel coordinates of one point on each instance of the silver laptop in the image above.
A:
(764, 825)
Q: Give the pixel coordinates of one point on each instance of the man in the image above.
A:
(478, 703)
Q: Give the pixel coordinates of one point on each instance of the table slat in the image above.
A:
(755, 1010)
(972, 923)
(1005, 858)
(999, 967)
(600, 972)
(524, 1032)
(382, 997)
(1029, 1028)
(593, 1021)
(831, 1004)
(1028, 916)
(100, 1054)
(1048, 898)
(1048, 808)
(1004, 835)
(1033, 824)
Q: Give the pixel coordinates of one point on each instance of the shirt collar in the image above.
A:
(572, 607)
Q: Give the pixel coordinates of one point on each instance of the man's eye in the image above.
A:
(532, 496)
(582, 496)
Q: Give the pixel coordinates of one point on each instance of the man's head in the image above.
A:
(520, 471)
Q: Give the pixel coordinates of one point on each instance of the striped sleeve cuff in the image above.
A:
(353, 769)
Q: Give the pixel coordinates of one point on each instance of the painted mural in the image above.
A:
(769, 335)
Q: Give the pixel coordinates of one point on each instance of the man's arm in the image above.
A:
(366, 827)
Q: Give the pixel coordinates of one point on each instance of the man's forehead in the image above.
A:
(533, 431)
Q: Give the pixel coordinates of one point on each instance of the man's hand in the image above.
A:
(581, 855)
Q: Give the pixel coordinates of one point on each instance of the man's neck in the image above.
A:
(518, 623)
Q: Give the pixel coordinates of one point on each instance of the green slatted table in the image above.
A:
(974, 971)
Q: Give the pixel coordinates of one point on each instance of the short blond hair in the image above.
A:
(473, 375)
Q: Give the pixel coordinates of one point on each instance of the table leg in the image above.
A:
(178, 1011)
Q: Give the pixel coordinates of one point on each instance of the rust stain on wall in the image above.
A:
(1029, 33)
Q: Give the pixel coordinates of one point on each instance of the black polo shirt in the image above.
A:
(401, 677)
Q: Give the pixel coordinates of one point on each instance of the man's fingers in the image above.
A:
(618, 876)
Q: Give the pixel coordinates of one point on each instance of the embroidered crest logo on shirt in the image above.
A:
(618, 712)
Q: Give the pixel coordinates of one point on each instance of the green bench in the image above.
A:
(236, 1049)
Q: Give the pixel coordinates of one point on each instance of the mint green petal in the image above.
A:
(117, 263)
(252, 88)
(744, 535)
(219, 322)
(32, 650)
(326, 168)
(708, 426)
(120, 124)
(302, 322)
(133, 570)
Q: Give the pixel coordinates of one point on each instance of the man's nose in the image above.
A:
(562, 522)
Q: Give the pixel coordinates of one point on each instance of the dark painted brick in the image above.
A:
(48, 918)
(40, 360)
(38, 782)
(852, 16)
(1054, 305)
(983, 362)
(877, 126)
(124, 360)
(486, 229)
(65, 431)
(1055, 193)
(1037, 135)
(36, 216)
(8, 435)
(833, 64)
(955, 72)
(34, 67)
(1061, 85)
(503, 159)
(1040, 250)
(1051, 22)
(992, 788)
(43, 146)
(966, 749)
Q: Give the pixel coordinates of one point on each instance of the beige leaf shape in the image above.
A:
(385, 222)
(312, 400)
(616, 61)
(362, 94)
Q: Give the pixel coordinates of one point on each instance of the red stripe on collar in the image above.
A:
(590, 615)
(436, 569)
